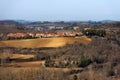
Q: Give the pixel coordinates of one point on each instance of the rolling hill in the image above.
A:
(43, 42)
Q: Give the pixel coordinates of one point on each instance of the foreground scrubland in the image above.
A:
(96, 60)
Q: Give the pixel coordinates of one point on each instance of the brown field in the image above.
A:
(16, 69)
(18, 56)
(25, 64)
(21, 56)
(43, 42)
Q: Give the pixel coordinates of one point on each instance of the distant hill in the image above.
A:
(9, 26)
(22, 21)
(106, 21)
(112, 24)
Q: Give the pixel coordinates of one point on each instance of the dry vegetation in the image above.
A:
(43, 42)
(21, 56)
(99, 59)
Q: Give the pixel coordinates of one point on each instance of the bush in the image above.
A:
(49, 63)
(75, 77)
(84, 61)
(94, 32)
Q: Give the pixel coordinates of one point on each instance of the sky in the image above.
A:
(60, 10)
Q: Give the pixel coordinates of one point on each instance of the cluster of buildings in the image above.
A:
(20, 35)
(43, 35)
(38, 27)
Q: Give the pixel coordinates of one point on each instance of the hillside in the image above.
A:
(9, 26)
(43, 42)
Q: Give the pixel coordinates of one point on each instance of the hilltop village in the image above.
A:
(41, 35)
(29, 30)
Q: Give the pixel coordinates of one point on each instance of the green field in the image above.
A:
(43, 42)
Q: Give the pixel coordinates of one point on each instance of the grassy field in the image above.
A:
(22, 56)
(37, 43)
(25, 64)
(43, 42)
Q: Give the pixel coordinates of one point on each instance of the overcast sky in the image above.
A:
(58, 10)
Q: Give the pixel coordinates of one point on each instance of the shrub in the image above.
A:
(49, 63)
(75, 77)
(84, 61)
(94, 32)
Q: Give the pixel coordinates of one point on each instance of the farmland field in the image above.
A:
(43, 42)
